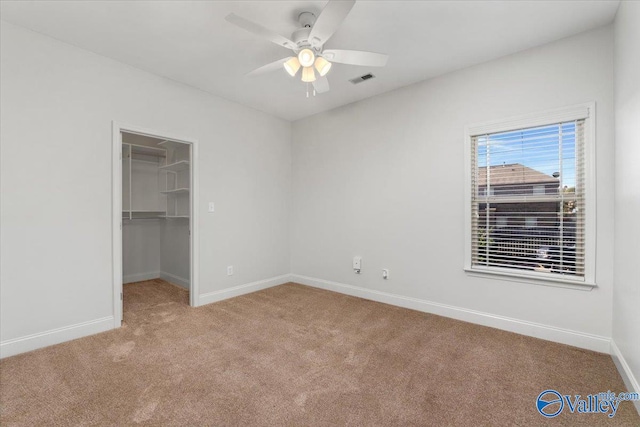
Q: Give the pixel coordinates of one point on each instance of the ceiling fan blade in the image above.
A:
(356, 57)
(261, 31)
(321, 85)
(329, 20)
(275, 65)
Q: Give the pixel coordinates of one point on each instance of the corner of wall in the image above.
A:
(625, 372)
(247, 288)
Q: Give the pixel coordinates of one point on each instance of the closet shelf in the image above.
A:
(175, 216)
(136, 218)
(176, 167)
(171, 144)
(176, 191)
(148, 151)
(142, 214)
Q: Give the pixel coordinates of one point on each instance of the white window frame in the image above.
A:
(585, 111)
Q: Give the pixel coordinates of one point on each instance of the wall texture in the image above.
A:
(141, 250)
(384, 179)
(174, 251)
(626, 296)
(57, 106)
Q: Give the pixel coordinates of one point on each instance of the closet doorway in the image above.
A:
(154, 189)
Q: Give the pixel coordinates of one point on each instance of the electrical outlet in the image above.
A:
(230, 270)
(212, 207)
(385, 273)
(357, 264)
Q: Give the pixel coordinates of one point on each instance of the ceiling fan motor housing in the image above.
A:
(306, 19)
(301, 35)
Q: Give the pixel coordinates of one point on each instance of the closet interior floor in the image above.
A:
(152, 298)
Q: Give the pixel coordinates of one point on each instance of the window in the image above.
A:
(533, 171)
(539, 189)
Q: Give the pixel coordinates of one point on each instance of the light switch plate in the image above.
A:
(212, 207)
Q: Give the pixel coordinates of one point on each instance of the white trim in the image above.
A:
(139, 277)
(247, 288)
(625, 372)
(194, 234)
(117, 130)
(575, 112)
(524, 327)
(514, 275)
(540, 118)
(176, 280)
(116, 226)
(590, 229)
(54, 336)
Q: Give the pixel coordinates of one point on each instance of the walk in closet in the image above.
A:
(156, 177)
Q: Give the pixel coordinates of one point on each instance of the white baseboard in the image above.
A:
(248, 288)
(139, 277)
(176, 280)
(54, 336)
(625, 372)
(532, 329)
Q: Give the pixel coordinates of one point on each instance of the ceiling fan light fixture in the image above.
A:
(292, 66)
(306, 57)
(307, 44)
(308, 75)
(323, 66)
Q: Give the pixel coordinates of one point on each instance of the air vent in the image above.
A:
(362, 78)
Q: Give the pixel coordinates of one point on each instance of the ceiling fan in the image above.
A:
(308, 42)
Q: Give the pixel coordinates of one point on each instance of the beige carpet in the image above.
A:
(294, 355)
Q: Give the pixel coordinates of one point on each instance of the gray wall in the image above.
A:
(141, 250)
(57, 106)
(626, 297)
(174, 251)
(384, 179)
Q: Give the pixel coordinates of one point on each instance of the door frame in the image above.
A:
(116, 167)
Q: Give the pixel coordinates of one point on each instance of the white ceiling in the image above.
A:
(190, 42)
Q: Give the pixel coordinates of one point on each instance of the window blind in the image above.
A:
(528, 200)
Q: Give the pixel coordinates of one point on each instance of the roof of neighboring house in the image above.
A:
(513, 174)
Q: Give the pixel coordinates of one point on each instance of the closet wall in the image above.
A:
(140, 250)
(155, 230)
(174, 250)
(174, 229)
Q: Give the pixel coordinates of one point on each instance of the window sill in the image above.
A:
(531, 279)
